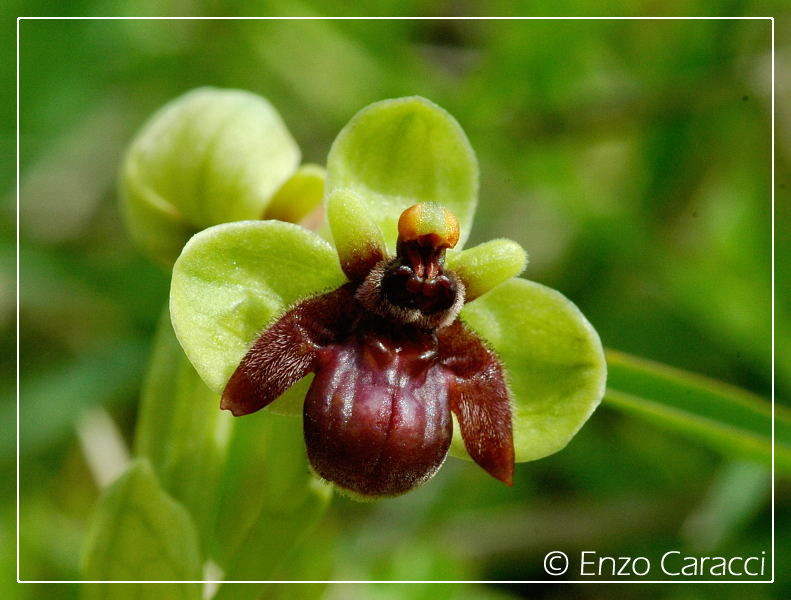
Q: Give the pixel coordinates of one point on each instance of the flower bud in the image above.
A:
(210, 156)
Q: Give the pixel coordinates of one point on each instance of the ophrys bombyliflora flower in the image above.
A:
(394, 348)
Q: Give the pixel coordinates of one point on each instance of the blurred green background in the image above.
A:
(632, 159)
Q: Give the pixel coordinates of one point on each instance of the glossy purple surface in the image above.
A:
(377, 417)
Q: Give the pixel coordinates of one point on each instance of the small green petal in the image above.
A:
(298, 196)
(553, 359)
(233, 279)
(487, 265)
(401, 152)
(358, 239)
(210, 156)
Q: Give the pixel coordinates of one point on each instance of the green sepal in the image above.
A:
(232, 280)
(396, 153)
(487, 265)
(553, 359)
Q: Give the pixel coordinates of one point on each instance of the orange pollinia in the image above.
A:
(429, 224)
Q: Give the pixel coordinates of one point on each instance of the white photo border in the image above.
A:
(555, 581)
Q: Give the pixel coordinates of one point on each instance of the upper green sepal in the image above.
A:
(396, 153)
(553, 359)
(210, 156)
(232, 280)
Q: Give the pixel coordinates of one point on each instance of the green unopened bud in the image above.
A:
(210, 156)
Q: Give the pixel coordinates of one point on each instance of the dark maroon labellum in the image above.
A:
(377, 419)
(391, 361)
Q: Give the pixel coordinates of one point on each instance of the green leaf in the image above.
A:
(232, 280)
(181, 429)
(400, 152)
(210, 156)
(487, 265)
(139, 533)
(553, 359)
(720, 416)
(738, 492)
(269, 499)
(275, 541)
(57, 397)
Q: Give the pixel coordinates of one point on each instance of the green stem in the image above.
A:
(726, 418)
(245, 483)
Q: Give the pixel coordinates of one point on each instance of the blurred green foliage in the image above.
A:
(632, 159)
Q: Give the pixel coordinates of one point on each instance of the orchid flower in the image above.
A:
(396, 344)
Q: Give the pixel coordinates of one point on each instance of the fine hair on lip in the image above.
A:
(370, 295)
